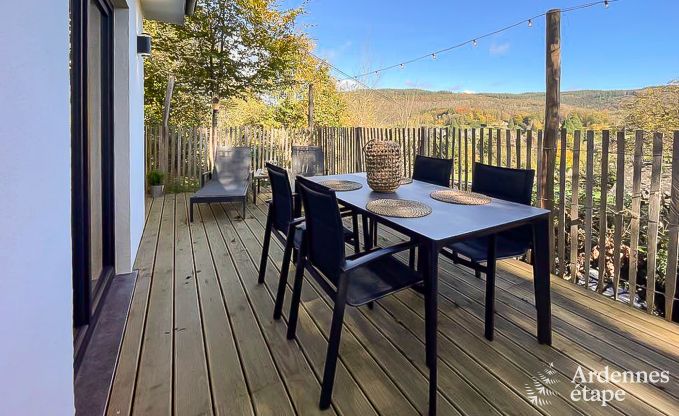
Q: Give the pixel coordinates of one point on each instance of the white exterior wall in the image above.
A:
(137, 154)
(36, 352)
(129, 133)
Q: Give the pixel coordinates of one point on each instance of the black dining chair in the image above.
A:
(353, 280)
(280, 222)
(433, 170)
(515, 185)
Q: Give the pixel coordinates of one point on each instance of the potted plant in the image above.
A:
(155, 179)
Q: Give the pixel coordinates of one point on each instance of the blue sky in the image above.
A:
(633, 43)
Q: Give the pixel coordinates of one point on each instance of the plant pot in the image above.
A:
(157, 190)
(383, 165)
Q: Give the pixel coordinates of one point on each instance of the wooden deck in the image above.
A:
(200, 338)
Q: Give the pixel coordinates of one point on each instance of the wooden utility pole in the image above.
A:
(552, 102)
(311, 107)
(165, 130)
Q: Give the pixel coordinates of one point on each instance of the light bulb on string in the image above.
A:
(433, 56)
(474, 43)
(401, 66)
(606, 4)
(530, 22)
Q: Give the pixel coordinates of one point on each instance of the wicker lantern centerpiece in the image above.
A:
(383, 165)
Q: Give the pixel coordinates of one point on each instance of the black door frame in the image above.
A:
(85, 298)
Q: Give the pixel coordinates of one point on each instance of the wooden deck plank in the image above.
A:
(523, 313)
(192, 393)
(153, 393)
(291, 363)
(230, 391)
(266, 387)
(122, 389)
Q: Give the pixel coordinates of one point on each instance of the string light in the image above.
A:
(474, 41)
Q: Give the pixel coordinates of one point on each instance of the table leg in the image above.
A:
(367, 237)
(490, 288)
(541, 278)
(430, 253)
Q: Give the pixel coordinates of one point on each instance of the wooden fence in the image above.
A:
(630, 177)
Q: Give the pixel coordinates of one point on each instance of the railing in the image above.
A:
(632, 177)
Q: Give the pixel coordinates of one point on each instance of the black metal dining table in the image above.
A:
(449, 223)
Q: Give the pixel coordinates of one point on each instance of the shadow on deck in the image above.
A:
(200, 338)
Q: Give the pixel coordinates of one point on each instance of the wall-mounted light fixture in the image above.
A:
(144, 44)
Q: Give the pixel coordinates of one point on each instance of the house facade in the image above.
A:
(72, 179)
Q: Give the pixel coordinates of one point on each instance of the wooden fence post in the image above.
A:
(653, 221)
(673, 231)
(553, 87)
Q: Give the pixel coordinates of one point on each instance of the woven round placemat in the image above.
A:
(341, 185)
(406, 181)
(401, 208)
(455, 196)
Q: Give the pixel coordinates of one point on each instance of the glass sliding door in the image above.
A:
(92, 157)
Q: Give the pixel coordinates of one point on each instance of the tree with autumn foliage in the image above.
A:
(227, 49)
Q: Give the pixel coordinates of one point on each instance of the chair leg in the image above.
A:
(283, 281)
(411, 258)
(191, 211)
(477, 273)
(490, 289)
(296, 295)
(265, 246)
(333, 345)
(371, 305)
(245, 203)
(354, 224)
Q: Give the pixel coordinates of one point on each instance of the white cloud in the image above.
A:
(498, 49)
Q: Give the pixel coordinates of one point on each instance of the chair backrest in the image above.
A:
(515, 185)
(232, 162)
(324, 229)
(307, 161)
(510, 184)
(433, 170)
(281, 197)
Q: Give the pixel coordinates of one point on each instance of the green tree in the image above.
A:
(228, 48)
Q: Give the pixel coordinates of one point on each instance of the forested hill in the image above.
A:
(395, 106)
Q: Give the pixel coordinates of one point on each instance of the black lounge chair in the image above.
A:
(348, 280)
(307, 161)
(229, 180)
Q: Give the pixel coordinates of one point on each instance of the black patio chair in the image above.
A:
(433, 170)
(307, 161)
(514, 185)
(280, 223)
(354, 280)
(229, 180)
